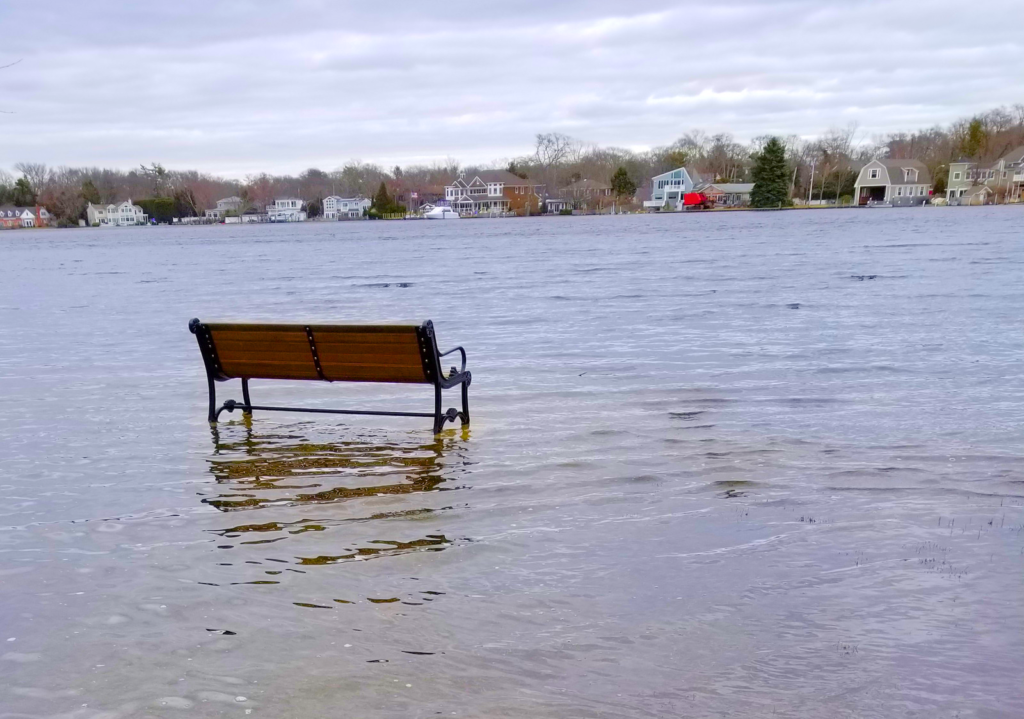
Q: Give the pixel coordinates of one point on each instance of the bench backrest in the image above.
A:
(332, 353)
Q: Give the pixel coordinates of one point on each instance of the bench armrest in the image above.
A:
(461, 351)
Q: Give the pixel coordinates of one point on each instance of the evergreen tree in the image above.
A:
(315, 207)
(22, 195)
(161, 209)
(622, 185)
(515, 169)
(975, 141)
(771, 180)
(90, 193)
(382, 200)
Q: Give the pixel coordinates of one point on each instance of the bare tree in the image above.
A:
(260, 189)
(35, 172)
(157, 174)
(62, 195)
(553, 148)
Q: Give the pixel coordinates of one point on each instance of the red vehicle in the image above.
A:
(696, 201)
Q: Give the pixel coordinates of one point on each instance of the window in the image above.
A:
(899, 192)
(956, 175)
(874, 174)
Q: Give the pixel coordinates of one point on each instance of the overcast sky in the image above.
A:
(237, 87)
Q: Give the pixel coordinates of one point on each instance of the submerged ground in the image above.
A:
(740, 464)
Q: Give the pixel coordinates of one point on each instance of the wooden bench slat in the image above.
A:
(266, 351)
(353, 356)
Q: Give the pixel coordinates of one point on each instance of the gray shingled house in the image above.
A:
(900, 183)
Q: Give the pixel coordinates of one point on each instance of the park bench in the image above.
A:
(328, 353)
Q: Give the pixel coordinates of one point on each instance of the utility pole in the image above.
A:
(810, 188)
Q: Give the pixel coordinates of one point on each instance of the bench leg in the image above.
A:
(465, 403)
(438, 417)
(245, 397)
(212, 416)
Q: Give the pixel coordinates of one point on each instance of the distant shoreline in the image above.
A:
(490, 217)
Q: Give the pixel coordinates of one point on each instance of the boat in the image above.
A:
(441, 213)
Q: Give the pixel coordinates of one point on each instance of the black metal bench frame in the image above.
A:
(431, 369)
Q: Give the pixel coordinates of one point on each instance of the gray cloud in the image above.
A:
(236, 87)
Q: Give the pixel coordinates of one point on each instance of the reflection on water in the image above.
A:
(255, 471)
(287, 473)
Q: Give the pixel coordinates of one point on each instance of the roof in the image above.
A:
(924, 177)
(502, 176)
(19, 210)
(105, 205)
(733, 188)
(485, 176)
(693, 174)
(1014, 156)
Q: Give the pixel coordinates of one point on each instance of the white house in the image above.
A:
(224, 206)
(900, 183)
(488, 191)
(669, 188)
(344, 208)
(555, 205)
(120, 215)
(286, 209)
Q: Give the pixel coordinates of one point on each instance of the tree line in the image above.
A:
(823, 168)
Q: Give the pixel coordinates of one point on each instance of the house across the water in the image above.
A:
(345, 208)
(491, 192)
(12, 217)
(1004, 178)
(286, 209)
(728, 194)
(123, 214)
(900, 183)
(587, 194)
(668, 188)
(228, 205)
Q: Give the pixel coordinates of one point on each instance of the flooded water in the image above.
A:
(757, 465)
